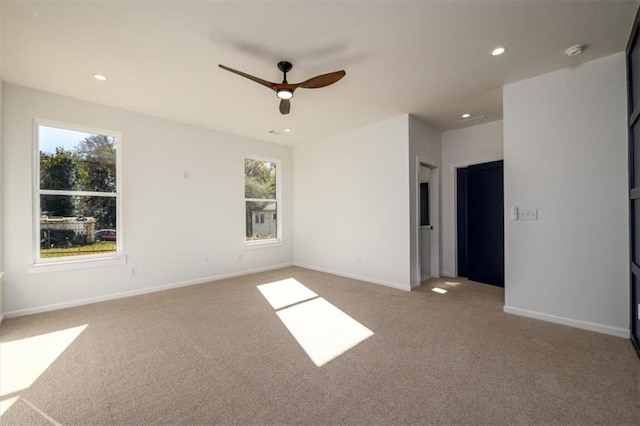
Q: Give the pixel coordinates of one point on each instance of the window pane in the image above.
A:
(261, 226)
(259, 179)
(77, 225)
(76, 161)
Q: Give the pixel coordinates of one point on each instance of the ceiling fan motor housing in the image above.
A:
(285, 66)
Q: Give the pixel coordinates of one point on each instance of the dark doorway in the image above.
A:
(481, 223)
(633, 88)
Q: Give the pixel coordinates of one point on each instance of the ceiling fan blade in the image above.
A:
(322, 80)
(285, 106)
(250, 77)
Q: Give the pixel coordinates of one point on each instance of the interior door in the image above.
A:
(485, 236)
(633, 79)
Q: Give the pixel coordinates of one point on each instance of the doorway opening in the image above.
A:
(480, 222)
(426, 239)
(426, 228)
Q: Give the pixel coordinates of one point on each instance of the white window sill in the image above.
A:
(251, 245)
(69, 265)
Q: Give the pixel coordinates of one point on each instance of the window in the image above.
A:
(261, 183)
(76, 193)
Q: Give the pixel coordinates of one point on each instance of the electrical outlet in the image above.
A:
(527, 214)
(205, 260)
(134, 271)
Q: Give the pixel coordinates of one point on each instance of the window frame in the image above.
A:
(77, 261)
(270, 242)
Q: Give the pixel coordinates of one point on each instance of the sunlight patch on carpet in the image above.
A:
(24, 360)
(322, 330)
(6, 404)
(439, 290)
(285, 293)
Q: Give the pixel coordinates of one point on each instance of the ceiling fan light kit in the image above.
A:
(285, 90)
(285, 94)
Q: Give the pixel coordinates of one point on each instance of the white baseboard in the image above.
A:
(80, 302)
(353, 276)
(599, 328)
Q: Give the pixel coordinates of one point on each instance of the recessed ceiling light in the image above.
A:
(472, 118)
(287, 130)
(498, 51)
(466, 115)
(99, 77)
(575, 50)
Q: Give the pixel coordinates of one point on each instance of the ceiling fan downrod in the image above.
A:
(285, 67)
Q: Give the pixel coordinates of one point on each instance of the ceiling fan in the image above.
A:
(285, 90)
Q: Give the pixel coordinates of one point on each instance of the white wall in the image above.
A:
(1, 215)
(565, 153)
(424, 146)
(351, 203)
(460, 148)
(170, 223)
(1, 207)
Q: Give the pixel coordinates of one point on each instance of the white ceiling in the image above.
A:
(430, 58)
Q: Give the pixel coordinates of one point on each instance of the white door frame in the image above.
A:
(434, 219)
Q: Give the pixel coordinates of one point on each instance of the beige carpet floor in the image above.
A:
(218, 353)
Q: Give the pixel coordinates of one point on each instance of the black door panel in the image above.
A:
(486, 223)
(462, 222)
